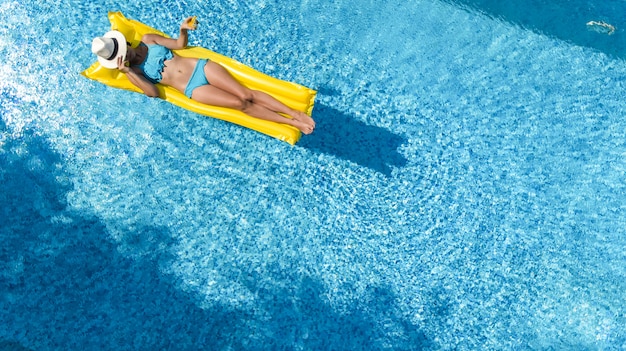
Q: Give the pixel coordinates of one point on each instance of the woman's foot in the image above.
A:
(303, 127)
(304, 119)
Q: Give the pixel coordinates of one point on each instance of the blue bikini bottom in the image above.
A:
(198, 78)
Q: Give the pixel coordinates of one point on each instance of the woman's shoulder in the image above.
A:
(151, 38)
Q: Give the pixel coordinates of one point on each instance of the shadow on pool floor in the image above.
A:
(562, 19)
(69, 288)
(340, 135)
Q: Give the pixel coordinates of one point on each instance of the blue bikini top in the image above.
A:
(152, 66)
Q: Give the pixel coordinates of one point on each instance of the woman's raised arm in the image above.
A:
(172, 44)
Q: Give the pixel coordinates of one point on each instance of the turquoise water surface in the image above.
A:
(465, 188)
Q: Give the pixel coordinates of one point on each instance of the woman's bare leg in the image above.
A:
(219, 77)
(212, 95)
(268, 101)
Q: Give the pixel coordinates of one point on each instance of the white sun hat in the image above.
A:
(109, 47)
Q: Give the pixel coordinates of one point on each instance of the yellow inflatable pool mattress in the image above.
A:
(295, 96)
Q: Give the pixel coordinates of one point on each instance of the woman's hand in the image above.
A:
(123, 66)
(189, 23)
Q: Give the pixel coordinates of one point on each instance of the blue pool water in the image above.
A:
(465, 188)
